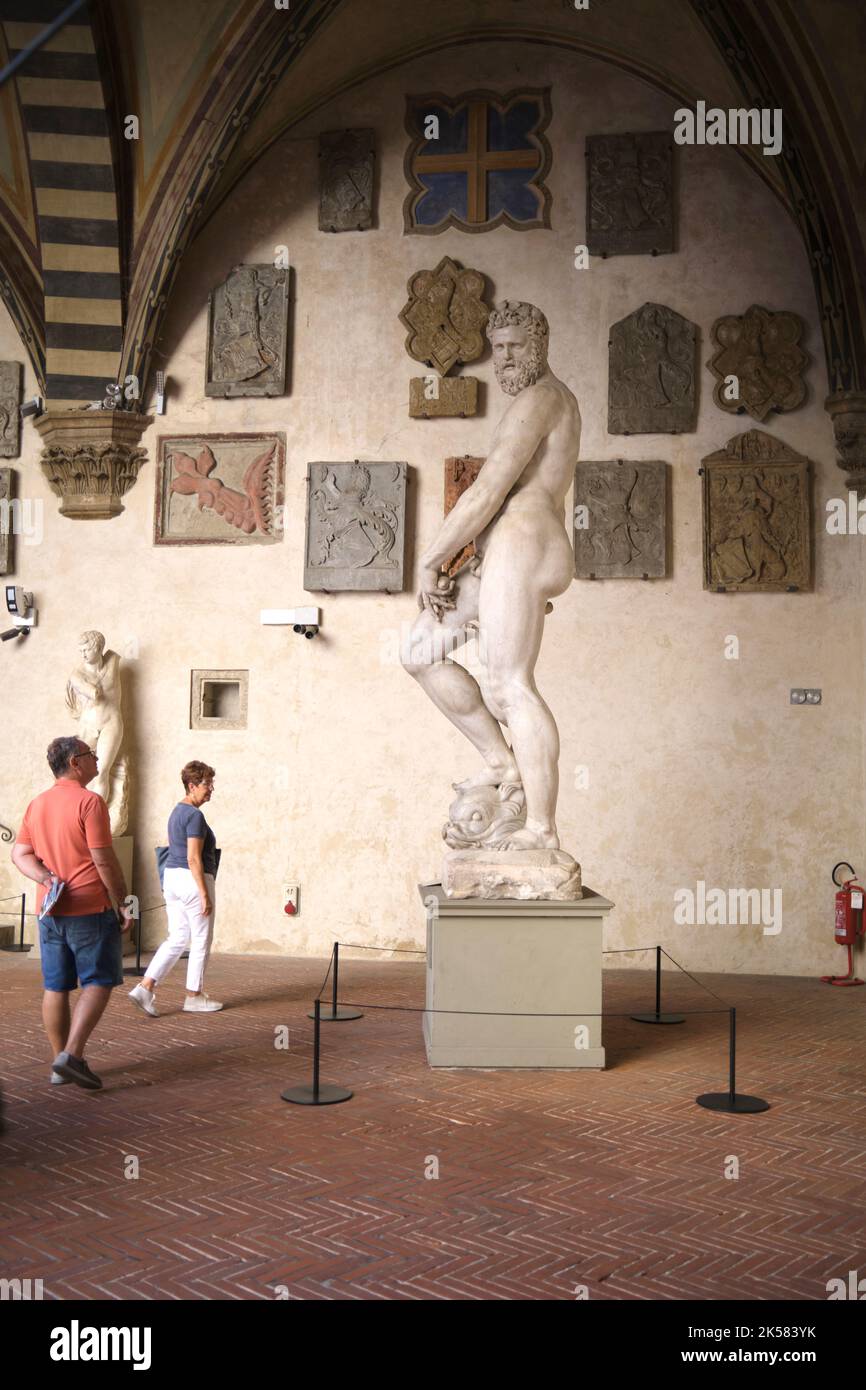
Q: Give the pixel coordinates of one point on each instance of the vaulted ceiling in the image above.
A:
(96, 213)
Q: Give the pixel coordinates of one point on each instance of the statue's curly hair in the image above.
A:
(516, 313)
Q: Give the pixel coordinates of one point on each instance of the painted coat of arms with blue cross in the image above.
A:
(477, 161)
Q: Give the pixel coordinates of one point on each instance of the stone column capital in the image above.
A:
(847, 410)
(91, 458)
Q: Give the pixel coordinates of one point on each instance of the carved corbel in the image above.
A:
(91, 459)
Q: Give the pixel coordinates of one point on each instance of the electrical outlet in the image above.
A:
(290, 899)
(800, 696)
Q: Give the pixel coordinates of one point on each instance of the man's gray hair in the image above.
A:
(516, 313)
(60, 750)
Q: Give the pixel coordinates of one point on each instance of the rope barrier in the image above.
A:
(729, 1102)
(399, 950)
(498, 1013)
(691, 976)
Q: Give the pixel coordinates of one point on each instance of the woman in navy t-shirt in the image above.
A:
(189, 890)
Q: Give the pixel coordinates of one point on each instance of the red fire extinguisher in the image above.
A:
(849, 922)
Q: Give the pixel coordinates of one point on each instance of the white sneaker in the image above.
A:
(200, 1004)
(145, 999)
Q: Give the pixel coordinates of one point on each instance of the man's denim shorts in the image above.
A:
(86, 948)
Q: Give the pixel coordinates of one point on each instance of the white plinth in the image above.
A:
(123, 848)
(500, 957)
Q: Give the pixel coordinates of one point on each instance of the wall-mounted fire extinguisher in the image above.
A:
(849, 922)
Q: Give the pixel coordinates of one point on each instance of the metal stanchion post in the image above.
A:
(138, 969)
(316, 1094)
(729, 1101)
(20, 945)
(337, 1014)
(658, 1016)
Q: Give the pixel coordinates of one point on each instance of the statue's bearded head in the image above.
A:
(518, 334)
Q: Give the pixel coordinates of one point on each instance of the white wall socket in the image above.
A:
(290, 897)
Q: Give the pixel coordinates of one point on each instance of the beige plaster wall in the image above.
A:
(699, 769)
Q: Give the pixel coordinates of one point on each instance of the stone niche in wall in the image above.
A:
(218, 699)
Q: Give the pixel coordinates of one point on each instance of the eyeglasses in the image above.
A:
(88, 753)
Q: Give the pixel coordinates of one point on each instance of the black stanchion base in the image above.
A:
(327, 1095)
(138, 970)
(738, 1105)
(17, 947)
(328, 1015)
(659, 1018)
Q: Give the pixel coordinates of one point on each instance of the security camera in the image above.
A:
(31, 407)
(305, 621)
(13, 632)
(20, 604)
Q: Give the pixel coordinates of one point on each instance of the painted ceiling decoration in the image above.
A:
(265, 45)
(63, 111)
(763, 50)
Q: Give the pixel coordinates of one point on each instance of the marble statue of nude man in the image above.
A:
(93, 696)
(515, 514)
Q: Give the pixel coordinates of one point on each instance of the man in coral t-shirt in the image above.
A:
(65, 834)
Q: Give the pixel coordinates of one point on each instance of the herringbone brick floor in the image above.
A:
(547, 1180)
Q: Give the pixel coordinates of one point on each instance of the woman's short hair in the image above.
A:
(194, 773)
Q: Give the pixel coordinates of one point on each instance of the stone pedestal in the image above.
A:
(504, 956)
(123, 847)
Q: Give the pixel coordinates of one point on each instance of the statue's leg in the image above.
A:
(107, 749)
(451, 687)
(521, 572)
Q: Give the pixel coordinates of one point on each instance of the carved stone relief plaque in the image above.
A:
(629, 199)
(247, 331)
(620, 520)
(445, 316)
(346, 180)
(757, 516)
(220, 489)
(6, 491)
(761, 349)
(10, 401)
(454, 395)
(652, 373)
(356, 526)
(460, 473)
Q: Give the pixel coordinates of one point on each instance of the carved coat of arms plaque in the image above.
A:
(652, 373)
(248, 318)
(762, 350)
(445, 315)
(757, 516)
(620, 520)
(356, 526)
(219, 489)
(629, 197)
(10, 401)
(6, 488)
(346, 160)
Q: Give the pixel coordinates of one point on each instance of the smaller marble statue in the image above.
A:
(93, 697)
